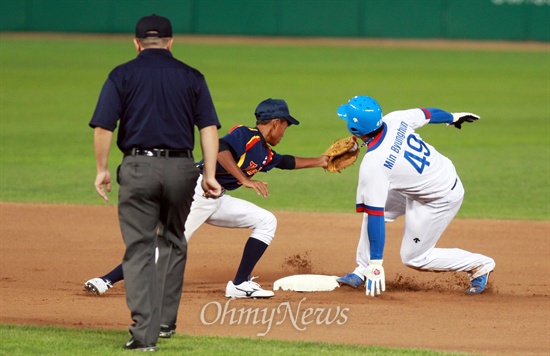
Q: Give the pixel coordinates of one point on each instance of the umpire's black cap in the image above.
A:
(274, 109)
(153, 26)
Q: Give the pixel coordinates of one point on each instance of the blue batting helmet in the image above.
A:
(363, 114)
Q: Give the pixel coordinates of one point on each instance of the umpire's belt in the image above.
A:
(159, 152)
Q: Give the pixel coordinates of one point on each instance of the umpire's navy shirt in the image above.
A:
(158, 100)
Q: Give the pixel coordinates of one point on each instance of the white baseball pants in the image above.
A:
(231, 212)
(424, 225)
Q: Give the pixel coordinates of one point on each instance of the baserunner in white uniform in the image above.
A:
(401, 174)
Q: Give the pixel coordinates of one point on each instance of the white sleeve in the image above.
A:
(372, 189)
(414, 117)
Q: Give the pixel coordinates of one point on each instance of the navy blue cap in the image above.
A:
(160, 26)
(270, 109)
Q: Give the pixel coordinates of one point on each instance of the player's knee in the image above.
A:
(268, 223)
(266, 227)
(410, 264)
(412, 260)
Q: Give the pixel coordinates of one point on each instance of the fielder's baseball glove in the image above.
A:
(342, 154)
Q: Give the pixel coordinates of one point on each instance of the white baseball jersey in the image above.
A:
(400, 160)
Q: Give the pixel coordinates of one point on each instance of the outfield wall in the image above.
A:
(516, 20)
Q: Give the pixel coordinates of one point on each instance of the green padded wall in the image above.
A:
(517, 20)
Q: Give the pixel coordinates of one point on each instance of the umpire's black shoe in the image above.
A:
(135, 345)
(166, 331)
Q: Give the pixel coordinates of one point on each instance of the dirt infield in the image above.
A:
(48, 251)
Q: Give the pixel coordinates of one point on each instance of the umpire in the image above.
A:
(158, 100)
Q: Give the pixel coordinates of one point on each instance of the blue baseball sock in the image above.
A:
(253, 251)
(115, 275)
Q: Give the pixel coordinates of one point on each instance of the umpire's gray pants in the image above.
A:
(155, 196)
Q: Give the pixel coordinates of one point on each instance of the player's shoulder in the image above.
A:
(407, 115)
(402, 112)
(241, 133)
(243, 128)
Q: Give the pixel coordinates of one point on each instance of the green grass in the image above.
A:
(50, 87)
(35, 340)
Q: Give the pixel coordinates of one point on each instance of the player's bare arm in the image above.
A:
(229, 164)
(209, 146)
(102, 146)
(312, 162)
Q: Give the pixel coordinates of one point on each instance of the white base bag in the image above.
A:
(307, 283)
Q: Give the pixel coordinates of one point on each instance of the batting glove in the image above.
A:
(375, 278)
(461, 117)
